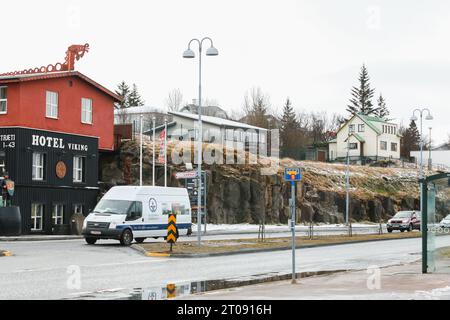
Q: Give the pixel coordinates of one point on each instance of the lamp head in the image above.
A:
(212, 51)
(414, 118)
(429, 117)
(188, 54)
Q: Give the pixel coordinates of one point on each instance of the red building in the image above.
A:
(63, 101)
(54, 125)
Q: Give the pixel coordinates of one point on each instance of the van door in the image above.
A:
(135, 220)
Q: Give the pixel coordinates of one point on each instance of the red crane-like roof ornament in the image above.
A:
(74, 52)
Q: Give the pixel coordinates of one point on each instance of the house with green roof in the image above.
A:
(367, 139)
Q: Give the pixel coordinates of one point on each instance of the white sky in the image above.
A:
(310, 50)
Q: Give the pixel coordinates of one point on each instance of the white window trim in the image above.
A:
(5, 100)
(78, 205)
(84, 110)
(381, 145)
(58, 214)
(77, 169)
(36, 167)
(41, 215)
(49, 104)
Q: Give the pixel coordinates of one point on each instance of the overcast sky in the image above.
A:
(310, 50)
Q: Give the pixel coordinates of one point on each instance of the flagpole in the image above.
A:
(154, 141)
(165, 152)
(140, 150)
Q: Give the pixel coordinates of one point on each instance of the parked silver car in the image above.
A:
(404, 221)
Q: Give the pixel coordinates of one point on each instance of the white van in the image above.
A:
(133, 212)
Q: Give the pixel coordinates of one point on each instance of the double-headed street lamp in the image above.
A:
(189, 54)
(414, 118)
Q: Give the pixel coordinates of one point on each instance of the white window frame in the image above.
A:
(58, 213)
(361, 127)
(38, 168)
(396, 146)
(355, 144)
(5, 100)
(78, 208)
(35, 214)
(78, 168)
(351, 128)
(86, 110)
(383, 143)
(51, 104)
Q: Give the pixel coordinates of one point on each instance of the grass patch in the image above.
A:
(222, 246)
(444, 252)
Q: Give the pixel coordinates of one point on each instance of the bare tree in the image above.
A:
(257, 108)
(174, 100)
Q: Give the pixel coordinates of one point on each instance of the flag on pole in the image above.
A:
(162, 147)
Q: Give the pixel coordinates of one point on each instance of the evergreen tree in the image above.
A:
(382, 111)
(134, 98)
(410, 140)
(361, 101)
(123, 91)
(289, 127)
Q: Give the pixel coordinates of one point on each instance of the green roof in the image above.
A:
(358, 137)
(368, 120)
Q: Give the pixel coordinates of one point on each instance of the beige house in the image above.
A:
(368, 139)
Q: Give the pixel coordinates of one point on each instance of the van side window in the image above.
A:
(135, 211)
(178, 208)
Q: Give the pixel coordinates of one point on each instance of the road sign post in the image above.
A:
(293, 175)
(172, 231)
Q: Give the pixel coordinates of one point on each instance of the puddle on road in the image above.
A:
(174, 290)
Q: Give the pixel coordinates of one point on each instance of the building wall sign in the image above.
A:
(61, 169)
(7, 141)
(56, 143)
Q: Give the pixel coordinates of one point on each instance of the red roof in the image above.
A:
(52, 75)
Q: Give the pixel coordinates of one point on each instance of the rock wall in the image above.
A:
(240, 194)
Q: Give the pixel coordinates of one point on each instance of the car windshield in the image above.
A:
(403, 214)
(113, 206)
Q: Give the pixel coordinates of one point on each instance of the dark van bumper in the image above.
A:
(102, 233)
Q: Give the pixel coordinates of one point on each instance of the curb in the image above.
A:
(247, 251)
(5, 253)
(40, 238)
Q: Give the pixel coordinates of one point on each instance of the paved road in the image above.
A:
(39, 269)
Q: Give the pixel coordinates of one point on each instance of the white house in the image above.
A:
(184, 126)
(368, 138)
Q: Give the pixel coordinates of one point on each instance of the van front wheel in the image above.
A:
(90, 240)
(126, 238)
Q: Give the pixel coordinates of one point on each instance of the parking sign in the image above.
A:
(292, 174)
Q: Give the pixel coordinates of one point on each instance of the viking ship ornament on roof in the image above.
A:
(74, 52)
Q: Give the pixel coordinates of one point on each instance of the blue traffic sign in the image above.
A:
(292, 174)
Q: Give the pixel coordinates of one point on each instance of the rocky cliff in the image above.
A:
(239, 193)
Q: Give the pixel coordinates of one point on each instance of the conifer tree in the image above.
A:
(134, 97)
(123, 90)
(382, 111)
(361, 101)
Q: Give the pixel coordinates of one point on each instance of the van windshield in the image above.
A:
(113, 206)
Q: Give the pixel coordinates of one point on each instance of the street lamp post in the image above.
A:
(430, 161)
(424, 226)
(189, 54)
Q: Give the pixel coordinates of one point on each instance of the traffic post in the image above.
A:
(293, 175)
(172, 230)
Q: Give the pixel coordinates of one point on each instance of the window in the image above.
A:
(78, 168)
(86, 111)
(353, 146)
(393, 146)
(3, 100)
(78, 209)
(37, 211)
(229, 134)
(395, 130)
(361, 127)
(135, 211)
(51, 105)
(351, 128)
(38, 166)
(58, 213)
(2, 163)
(383, 145)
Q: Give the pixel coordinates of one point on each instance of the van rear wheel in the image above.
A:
(90, 240)
(126, 238)
(139, 240)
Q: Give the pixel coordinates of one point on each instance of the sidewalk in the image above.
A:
(40, 237)
(396, 283)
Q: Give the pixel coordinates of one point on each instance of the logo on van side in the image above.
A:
(152, 204)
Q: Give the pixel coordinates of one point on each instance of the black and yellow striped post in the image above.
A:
(172, 230)
(171, 290)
